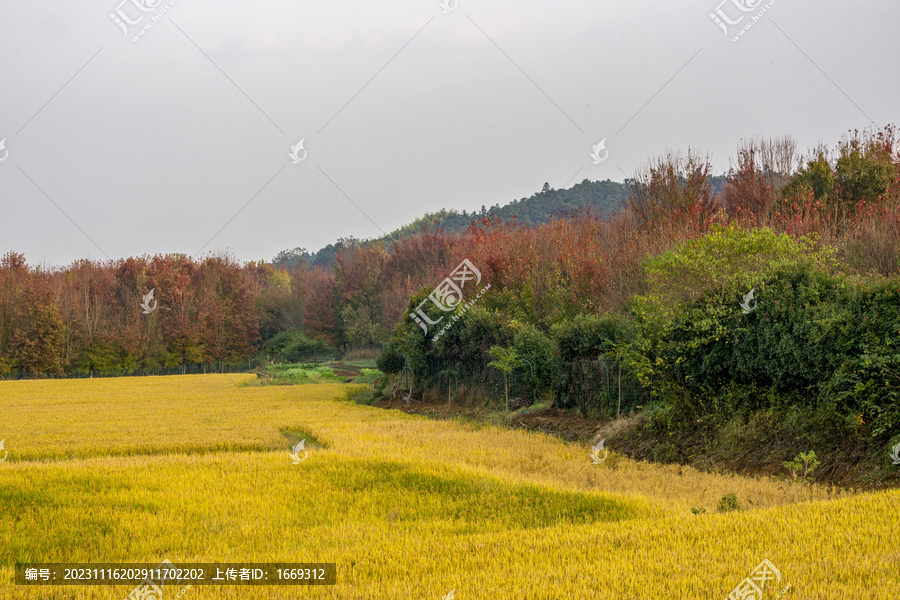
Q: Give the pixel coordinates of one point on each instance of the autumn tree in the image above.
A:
(36, 344)
(671, 186)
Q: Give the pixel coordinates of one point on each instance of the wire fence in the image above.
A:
(244, 366)
(601, 386)
(365, 356)
(598, 387)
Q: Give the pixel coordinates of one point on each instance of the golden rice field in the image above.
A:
(143, 469)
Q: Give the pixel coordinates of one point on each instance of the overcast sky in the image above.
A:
(180, 141)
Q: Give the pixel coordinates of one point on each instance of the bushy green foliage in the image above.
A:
(722, 265)
(693, 302)
(464, 347)
(390, 360)
(863, 171)
(818, 342)
(590, 336)
(461, 349)
(728, 503)
(535, 347)
(608, 338)
(293, 345)
(816, 177)
(814, 338)
(779, 345)
(866, 380)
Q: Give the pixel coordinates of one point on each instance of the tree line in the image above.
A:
(563, 292)
(653, 295)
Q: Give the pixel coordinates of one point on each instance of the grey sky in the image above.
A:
(152, 146)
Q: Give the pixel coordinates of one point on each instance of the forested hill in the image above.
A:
(604, 197)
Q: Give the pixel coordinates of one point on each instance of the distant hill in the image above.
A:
(604, 197)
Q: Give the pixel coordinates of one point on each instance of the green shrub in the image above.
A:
(589, 339)
(815, 341)
(804, 464)
(591, 336)
(863, 171)
(292, 345)
(815, 178)
(720, 267)
(727, 503)
(538, 349)
(390, 360)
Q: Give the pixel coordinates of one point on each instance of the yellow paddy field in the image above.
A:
(146, 469)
